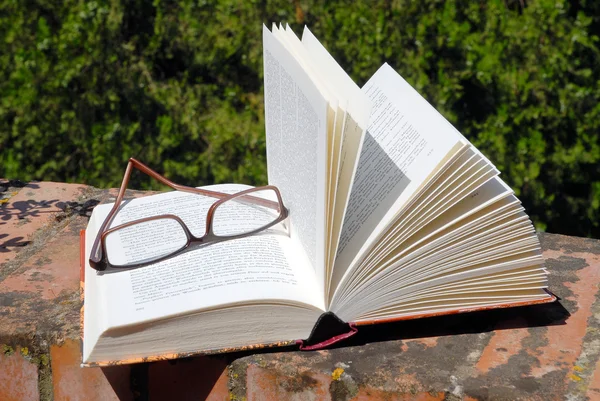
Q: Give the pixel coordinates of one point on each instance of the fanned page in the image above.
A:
(430, 228)
(335, 116)
(296, 131)
(355, 110)
(483, 246)
(265, 268)
(404, 145)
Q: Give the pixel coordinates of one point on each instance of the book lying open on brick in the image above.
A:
(393, 215)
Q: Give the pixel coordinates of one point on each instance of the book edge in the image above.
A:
(163, 357)
(81, 285)
(551, 298)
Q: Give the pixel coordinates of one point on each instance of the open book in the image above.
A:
(393, 215)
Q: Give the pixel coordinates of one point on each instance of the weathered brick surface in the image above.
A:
(544, 352)
(49, 273)
(30, 208)
(263, 384)
(39, 285)
(18, 378)
(72, 383)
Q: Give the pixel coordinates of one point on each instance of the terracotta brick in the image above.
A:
(72, 382)
(593, 391)
(49, 272)
(265, 385)
(31, 208)
(565, 346)
(199, 378)
(44, 288)
(18, 378)
(366, 394)
(503, 345)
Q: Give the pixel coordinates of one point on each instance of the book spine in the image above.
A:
(81, 282)
(331, 341)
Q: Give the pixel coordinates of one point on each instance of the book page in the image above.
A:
(449, 247)
(348, 139)
(490, 237)
(449, 188)
(493, 191)
(262, 268)
(502, 217)
(296, 132)
(406, 141)
(335, 116)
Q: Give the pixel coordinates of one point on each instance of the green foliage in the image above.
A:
(85, 85)
(88, 84)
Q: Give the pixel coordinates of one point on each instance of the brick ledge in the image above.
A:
(539, 352)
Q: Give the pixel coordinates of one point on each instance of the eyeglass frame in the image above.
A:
(98, 259)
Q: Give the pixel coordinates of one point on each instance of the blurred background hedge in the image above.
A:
(86, 84)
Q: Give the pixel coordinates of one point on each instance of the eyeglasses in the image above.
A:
(156, 238)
